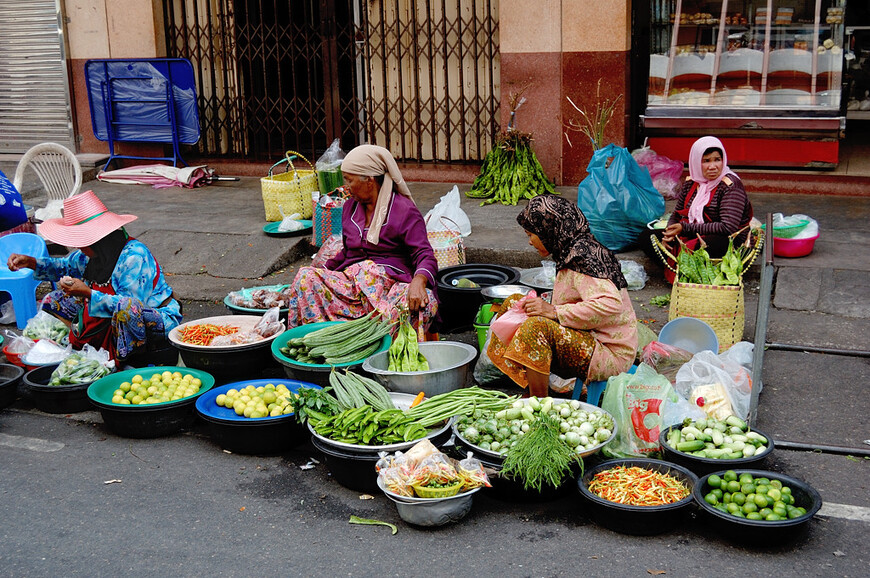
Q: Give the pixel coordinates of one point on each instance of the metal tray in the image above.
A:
(585, 406)
(402, 401)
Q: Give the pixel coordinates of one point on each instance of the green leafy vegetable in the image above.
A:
(540, 457)
(661, 300)
(369, 522)
(314, 404)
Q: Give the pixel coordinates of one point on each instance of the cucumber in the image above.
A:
(735, 421)
(690, 446)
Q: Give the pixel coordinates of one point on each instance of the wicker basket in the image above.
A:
(290, 192)
(722, 307)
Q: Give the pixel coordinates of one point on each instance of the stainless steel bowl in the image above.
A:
(498, 293)
(431, 511)
(449, 365)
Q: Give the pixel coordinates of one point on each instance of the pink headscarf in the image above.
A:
(705, 187)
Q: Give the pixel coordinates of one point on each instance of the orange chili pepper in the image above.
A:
(418, 399)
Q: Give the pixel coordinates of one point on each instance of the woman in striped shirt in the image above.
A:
(712, 202)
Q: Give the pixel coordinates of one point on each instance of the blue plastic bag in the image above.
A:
(12, 212)
(618, 198)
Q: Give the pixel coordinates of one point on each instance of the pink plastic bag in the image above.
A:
(507, 323)
(666, 174)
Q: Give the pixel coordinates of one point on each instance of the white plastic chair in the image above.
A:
(57, 169)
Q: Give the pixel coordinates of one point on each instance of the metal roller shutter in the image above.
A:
(34, 91)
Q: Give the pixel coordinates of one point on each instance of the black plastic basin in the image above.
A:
(55, 398)
(458, 305)
(10, 377)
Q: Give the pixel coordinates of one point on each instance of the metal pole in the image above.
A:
(761, 314)
(812, 349)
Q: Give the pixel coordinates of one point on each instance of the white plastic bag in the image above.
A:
(706, 368)
(634, 274)
(45, 352)
(449, 208)
(289, 222)
(485, 371)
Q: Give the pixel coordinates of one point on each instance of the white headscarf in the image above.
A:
(372, 161)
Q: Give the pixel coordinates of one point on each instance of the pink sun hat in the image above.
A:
(85, 221)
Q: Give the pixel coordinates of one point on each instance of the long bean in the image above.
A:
(458, 402)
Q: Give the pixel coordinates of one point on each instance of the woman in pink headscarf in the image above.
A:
(712, 202)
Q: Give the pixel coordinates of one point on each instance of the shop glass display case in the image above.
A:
(758, 73)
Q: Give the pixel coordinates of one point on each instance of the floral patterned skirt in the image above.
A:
(323, 295)
(542, 345)
(134, 327)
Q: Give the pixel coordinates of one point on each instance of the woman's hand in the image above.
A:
(17, 261)
(672, 232)
(417, 296)
(538, 306)
(75, 287)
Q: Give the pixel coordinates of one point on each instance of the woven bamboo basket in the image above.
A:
(290, 192)
(722, 307)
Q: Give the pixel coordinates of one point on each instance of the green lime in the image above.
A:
(747, 488)
(772, 517)
(718, 493)
(746, 478)
(762, 481)
(749, 507)
(711, 499)
(738, 498)
(733, 486)
(761, 488)
(732, 508)
(714, 481)
(774, 493)
(785, 491)
(780, 511)
(776, 484)
(765, 512)
(760, 500)
(726, 497)
(754, 516)
(729, 476)
(793, 512)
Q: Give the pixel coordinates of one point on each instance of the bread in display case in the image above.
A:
(755, 52)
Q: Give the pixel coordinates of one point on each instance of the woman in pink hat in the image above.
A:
(112, 292)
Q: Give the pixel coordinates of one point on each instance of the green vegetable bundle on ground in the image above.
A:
(404, 353)
(510, 172)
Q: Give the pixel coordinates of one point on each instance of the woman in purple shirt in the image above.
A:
(386, 262)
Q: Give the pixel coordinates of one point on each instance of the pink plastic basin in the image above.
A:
(793, 247)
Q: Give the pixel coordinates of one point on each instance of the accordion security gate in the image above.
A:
(419, 77)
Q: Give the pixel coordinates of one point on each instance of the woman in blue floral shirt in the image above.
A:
(112, 291)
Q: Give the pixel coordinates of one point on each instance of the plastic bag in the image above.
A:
(645, 336)
(706, 368)
(507, 323)
(330, 248)
(472, 473)
(811, 230)
(449, 208)
(636, 403)
(7, 313)
(289, 222)
(634, 274)
(547, 275)
(44, 325)
(270, 324)
(46, 352)
(434, 469)
(665, 359)
(18, 344)
(618, 197)
(666, 174)
(485, 371)
(85, 366)
(328, 168)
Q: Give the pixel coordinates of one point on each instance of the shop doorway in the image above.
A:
(855, 147)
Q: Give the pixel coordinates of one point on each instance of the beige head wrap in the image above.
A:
(371, 161)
